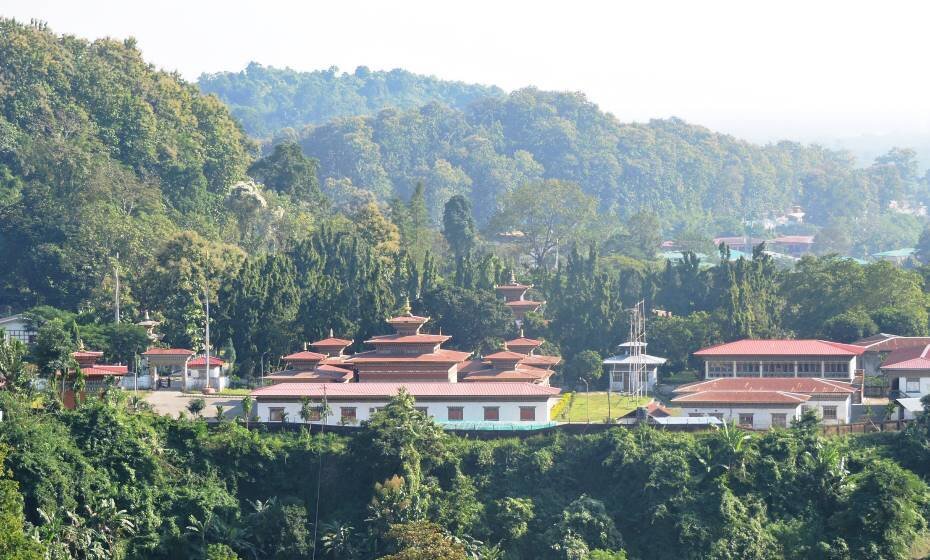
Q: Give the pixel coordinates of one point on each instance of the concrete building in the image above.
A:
(352, 403)
(781, 358)
(624, 368)
(762, 403)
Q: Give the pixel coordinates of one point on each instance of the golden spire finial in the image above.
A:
(513, 277)
(406, 309)
(305, 346)
(331, 332)
(80, 344)
(521, 332)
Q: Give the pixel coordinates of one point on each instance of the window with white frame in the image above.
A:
(719, 369)
(779, 420)
(829, 413)
(276, 414)
(745, 419)
(836, 369)
(808, 369)
(778, 369)
(912, 385)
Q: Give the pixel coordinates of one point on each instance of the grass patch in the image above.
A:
(578, 407)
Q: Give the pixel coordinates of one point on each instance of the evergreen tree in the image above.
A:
(458, 226)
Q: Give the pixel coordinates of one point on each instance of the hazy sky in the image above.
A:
(760, 69)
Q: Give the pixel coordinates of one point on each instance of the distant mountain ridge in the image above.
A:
(266, 99)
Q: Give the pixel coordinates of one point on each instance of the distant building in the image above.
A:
(742, 243)
(897, 256)
(878, 347)
(763, 403)
(793, 245)
(781, 358)
(352, 403)
(95, 375)
(908, 371)
(15, 327)
(624, 368)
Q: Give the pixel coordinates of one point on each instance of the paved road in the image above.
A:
(171, 402)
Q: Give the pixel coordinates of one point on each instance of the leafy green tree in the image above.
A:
(584, 524)
(196, 406)
(287, 170)
(422, 540)
(458, 225)
(849, 326)
(587, 365)
(469, 316)
(15, 374)
(547, 215)
(54, 344)
(15, 544)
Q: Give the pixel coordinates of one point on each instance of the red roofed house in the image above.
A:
(408, 355)
(514, 295)
(780, 358)
(95, 375)
(908, 369)
(766, 383)
(197, 371)
(767, 402)
(878, 347)
(794, 245)
(446, 402)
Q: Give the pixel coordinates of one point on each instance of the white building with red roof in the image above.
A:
(352, 403)
(908, 370)
(780, 358)
(767, 402)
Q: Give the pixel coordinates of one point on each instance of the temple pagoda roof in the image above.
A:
(408, 339)
(439, 356)
(304, 356)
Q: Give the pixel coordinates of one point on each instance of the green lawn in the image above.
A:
(578, 407)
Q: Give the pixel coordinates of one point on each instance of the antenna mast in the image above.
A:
(639, 382)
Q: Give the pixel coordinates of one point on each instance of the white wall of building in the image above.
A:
(473, 411)
(762, 416)
(922, 385)
(733, 367)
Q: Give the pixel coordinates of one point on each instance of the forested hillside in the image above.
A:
(685, 173)
(266, 99)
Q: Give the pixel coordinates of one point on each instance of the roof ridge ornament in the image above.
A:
(331, 333)
(406, 308)
(513, 277)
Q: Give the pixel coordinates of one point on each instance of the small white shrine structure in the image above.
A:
(632, 370)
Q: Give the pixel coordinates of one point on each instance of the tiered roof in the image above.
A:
(764, 390)
(87, 362)
(514, 295)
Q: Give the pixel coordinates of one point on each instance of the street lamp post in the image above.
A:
(587, 400)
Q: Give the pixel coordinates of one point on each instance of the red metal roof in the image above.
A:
(331, 342)
(304, 356)
(747, 347)
(86, 354)
(202, 361)
(408, 339)
(795, 239)
(741, 397)
(420, 390)
(890, 342)
(523, 343)
(103, 370)
(654, 409)
(168, 352)
(408, 319)
(523, 303)
(541, 360)
(913, 358)
(522, 373)
(441, 355)
(505, 356)
(803, 385)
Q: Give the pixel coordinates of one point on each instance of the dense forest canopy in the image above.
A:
(686, 174)
(113, 480)
(267, 99)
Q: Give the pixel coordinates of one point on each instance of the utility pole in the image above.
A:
(116, 291)
(206, 297)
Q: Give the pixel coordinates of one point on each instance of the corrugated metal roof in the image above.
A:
(803, 385)
(781, 347)
(914, 358)
(741, 397)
